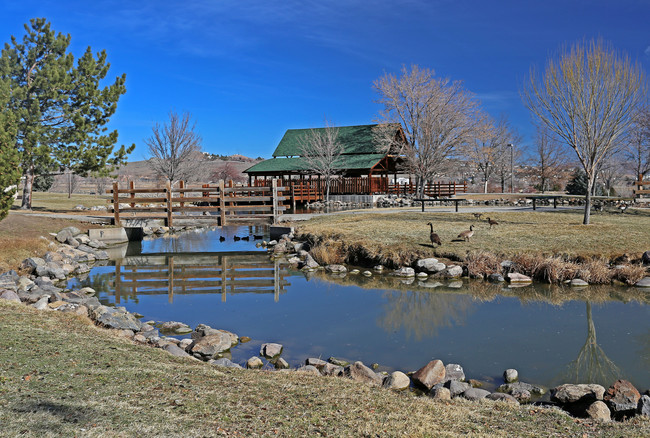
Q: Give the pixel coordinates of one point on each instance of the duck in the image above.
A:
(236, 238)
(257, 237)
(467, 234)
(246, 238)
(222, 239)
(434, 237)
(492, 222)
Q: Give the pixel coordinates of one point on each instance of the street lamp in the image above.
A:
(512, 149)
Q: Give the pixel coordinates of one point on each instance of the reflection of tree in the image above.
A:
(592, 364)
(420, 314)
(644, 352)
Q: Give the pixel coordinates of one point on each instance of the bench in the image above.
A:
(455, 200)
(534, 198)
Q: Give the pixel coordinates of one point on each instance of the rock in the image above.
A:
(63, 235)
(207, 346)
(9, 295)
(366, 274)
(116, 318)
(339, 362)
(405, 272)
(174, 350)
(645, 258)
(72, 242)
(622, 398)
(397, 381)
(361, 373)
(509, 387)
(378, 268)
(475, 394)
(453, 271)
(315, 362)
(254, 363)
(456, 388)
(496, 278)
(520, 394)
(440, 393)
(32, 263)
(225, 363)
(578, 282)
(175, 327)
(510, 375)
(310, 262)
(270, 350)
(574, 393)
(329, 369)
(599, 411)
(430, 265)
(644, 282)
(515, 277)
(281, 364)
(41, 304)
(336, 269)
(422, 275)
(184, 343)
(309, 369)
(475, 383)
(454, 371)
(644, 406)
(24, 284)
(499, 396)
(430, 374)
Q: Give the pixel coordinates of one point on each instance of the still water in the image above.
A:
(550, 334)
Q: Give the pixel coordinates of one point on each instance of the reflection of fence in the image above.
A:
(180, 274)
(313, 189)
(222, 202)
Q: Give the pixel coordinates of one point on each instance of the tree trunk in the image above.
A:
(27, 189)
(485, 185)
(590, 186)
(503, 184)
(543, 184)
(327, 189)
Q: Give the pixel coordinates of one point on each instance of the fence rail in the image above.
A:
(640, 190)
(221, 202)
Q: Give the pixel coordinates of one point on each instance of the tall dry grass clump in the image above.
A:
(630, 274)
(595, 271)
(328, 252)
(482, 264)
(554, 270)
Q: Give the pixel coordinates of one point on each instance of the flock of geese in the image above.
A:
(464, 235)
(246, 238)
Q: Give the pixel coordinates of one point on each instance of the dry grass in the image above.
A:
(482, 264)
(59, 202)
(60, 376)
(23, 236)
(542, 243)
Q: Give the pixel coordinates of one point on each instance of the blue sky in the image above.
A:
(248, 70)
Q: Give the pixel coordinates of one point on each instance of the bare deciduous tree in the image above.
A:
(174, 147)
(227, 172)
(638, 147)
(587, 98)
(101, 184)
(438, 116)
(71, 181)
(550, 157)
(320, 148)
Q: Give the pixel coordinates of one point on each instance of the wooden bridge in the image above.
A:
(220, 202)
(641, 191)
(203, 273)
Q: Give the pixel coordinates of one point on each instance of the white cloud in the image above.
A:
(647, 51)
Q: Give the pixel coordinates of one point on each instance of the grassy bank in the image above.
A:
(399, 238)
(61, 376)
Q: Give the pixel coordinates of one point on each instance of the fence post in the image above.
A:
(181, 194)
(168, 190)
(293, 197)
(274, 194)
(222, 204)
(132, 187)
(116, 204)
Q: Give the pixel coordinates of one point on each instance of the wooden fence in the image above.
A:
(183, 275)
(221, 202)
(640, 191)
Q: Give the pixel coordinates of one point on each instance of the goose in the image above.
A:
(236, 238)
(492, 222)
(434, 237)
(478, 216)
(465, 235)
(222, 239)
(257, 237)
(246, 238)
(623, 207)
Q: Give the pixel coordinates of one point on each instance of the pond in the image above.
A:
(551, 335)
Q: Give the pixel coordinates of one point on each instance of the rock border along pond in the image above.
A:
(76, 252)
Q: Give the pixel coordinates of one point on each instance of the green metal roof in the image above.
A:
(298, 164)
(354, 139)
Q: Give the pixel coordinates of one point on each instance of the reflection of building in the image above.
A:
(244, 272)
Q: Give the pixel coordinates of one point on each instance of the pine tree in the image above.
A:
(9, 157)
(60, 109)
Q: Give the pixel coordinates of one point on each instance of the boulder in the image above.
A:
(578, 282)
(521, 395)
(281, 364)
(453, 271)
(533, 389)
(175, 327)
(309, 369)
(315, 362)
(598, 411)
(63, 235)
(115, 318)
(405, 272)
(329, 369)
(496, 278)
(515, 277)
(32, 263)
(41, 304)
(456, 388)
(207, 346)
(339, 362)
(453, 371)
(644, 406)
(577, 393)
(645, 258)
(440, 393)
(475, 394)
(430, 265)
(310, 262)
(499, 396)
(254, 363)
(9, 295)
(644, 282)
(270, 350)
(174, 350)
(361, 373)
(622, 398)
(336, 269)
(430, 374)
(397, 381)
(510, 375)
(224, 363)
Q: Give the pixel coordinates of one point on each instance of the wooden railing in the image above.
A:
(221, 202)
(182, 275)
(640, 190)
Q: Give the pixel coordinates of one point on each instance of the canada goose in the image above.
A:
(623, 207)
(434, 237)
(236, 238)
(257, 237)
(222, 239)
(478, 216)
(492, 222)
(246, 238)
(465, 235)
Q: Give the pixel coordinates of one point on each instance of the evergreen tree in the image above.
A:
(42, 183)
(60, 109)
(579, 183)
(9, 157)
